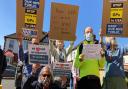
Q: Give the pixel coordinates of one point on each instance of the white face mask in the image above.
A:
(46, 82)
(88, 36)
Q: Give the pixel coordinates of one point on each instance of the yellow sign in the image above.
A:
(0, 86)
(116, 13)
(30, 18)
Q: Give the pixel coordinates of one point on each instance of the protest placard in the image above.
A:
(62, 69)
(63, 21)
(92, 51)
(38, 54)
(29, 15)
(115, 18)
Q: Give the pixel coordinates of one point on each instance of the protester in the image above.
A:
(45, 80)
(59, 54)
(34, 75)
(3, 63)
(114, 70)
(23, 57)
(18, 75)
(89, 68)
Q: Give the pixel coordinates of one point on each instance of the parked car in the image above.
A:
(9, 71)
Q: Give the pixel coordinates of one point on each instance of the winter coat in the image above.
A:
(3, 62)
(37, 85)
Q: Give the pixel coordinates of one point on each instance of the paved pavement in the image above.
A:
(8, 84)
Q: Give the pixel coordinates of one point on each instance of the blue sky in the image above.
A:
(90, 14)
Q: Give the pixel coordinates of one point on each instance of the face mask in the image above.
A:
(88, 36)
(46, 82)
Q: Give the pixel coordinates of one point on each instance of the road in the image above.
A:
(8, 84)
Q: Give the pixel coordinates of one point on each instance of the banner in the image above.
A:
(38, 54)
(63, 21)
(29, 18)
(115, 18)
(62, 69)
(92, 51)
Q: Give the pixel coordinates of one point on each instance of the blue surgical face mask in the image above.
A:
(88, 36)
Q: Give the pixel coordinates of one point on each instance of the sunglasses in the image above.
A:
(44, 75)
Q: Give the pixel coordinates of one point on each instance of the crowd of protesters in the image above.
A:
(36, 76)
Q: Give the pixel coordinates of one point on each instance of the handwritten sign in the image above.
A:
(38, 54)
(63, 21)
(92, 51)
(62, 69)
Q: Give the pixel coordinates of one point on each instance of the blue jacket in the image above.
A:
(114, 66)
(23, 56)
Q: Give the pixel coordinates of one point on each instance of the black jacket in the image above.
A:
(31, 79)
(3, 62)
(37, 85)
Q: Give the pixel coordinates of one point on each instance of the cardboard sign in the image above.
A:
(92, 51)
(38, 54)
(115, 18)
(62, 69)
(63, 21)
(29, 16)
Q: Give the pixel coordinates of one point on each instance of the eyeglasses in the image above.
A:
(44, 75)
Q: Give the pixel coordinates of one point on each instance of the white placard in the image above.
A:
(92, 51)
(38, 54)
(61, 69)
(125, 59)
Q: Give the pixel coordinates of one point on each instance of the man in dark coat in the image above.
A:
(3, 63)
(45, 80)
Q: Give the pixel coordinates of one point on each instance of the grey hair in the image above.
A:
(41, 72)
(89, 27)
